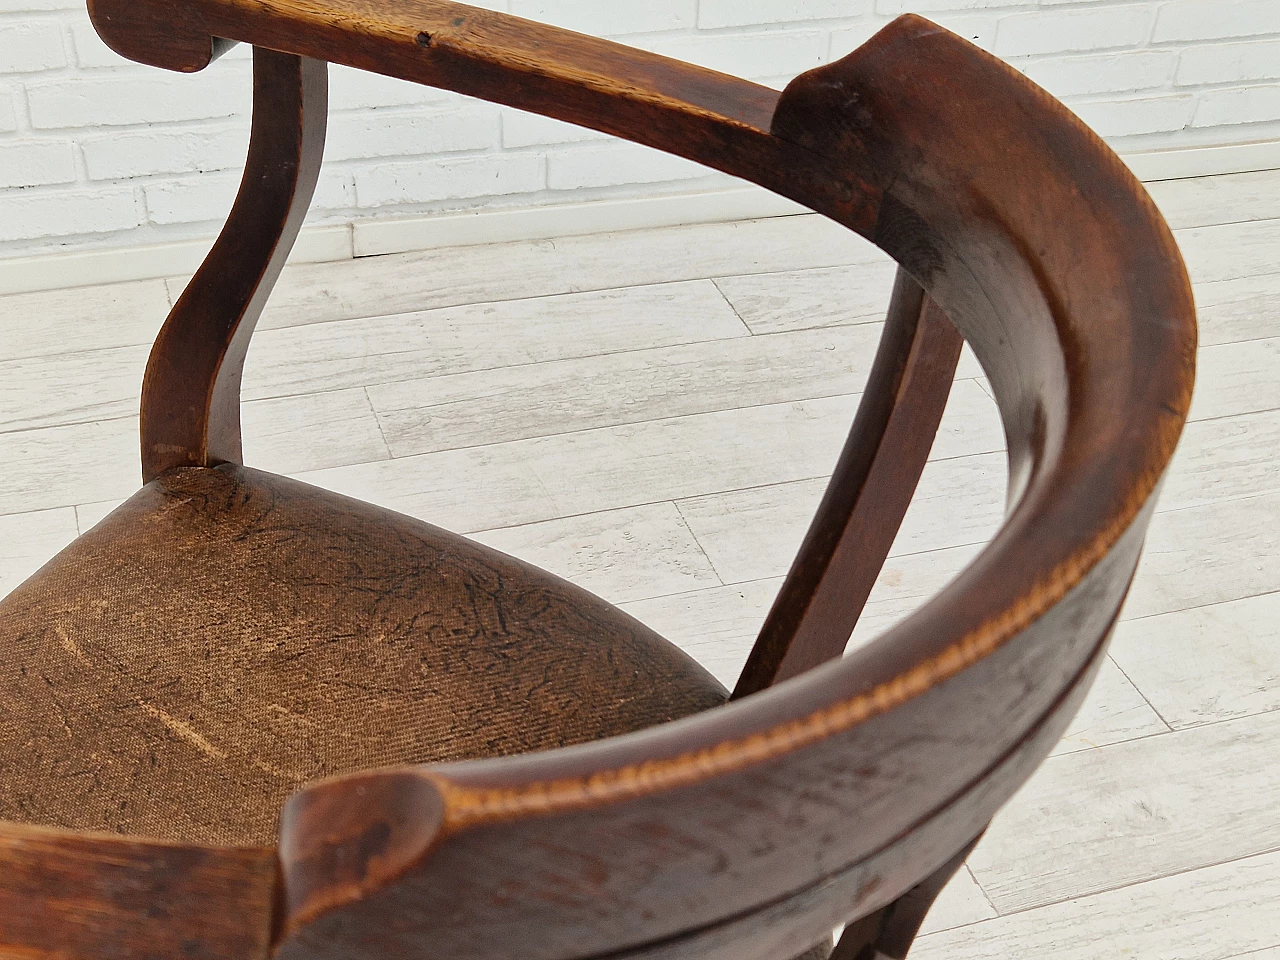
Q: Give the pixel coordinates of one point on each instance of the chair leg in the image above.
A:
(888, 933)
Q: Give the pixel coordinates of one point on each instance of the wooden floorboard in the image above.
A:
(312, 293)
(1208, 663)
(1223, 912)
(1231, 311)
(1135, 811)
(57, 322)
(1206, 201)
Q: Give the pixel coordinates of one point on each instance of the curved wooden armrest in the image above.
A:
(709, 117)
(436, 42)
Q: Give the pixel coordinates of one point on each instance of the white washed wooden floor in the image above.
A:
(652, 414)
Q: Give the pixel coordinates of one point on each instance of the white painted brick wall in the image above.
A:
(1074, 30)
(95, 151)
(442, 178)
(28, 47)
(33, 163)
(7, 121)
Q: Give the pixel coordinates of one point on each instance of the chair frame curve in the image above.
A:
(843, 789)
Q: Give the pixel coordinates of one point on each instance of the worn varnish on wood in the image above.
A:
(850, 793)
(84, 895)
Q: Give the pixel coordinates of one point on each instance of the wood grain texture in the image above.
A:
(890, 931)
(1224, 459)
(487, 340)
(620, 555)
(1178, 919)
(70, 896)
(63, 466)
(93, 318)
(1114, 712)
(718, 624)
(1246, 308)
(30, 539)
(528, 481)
(1248, 375)
(760, 935)
(1212, 201)
(818, 297)
(313, 431)
(961, 903)
(191, 392)
(97, 460)
(88, 515)
(532, 400)
(80, 387)
(960, 502)
(1230, 251)
(1179, 575)
(713, 119)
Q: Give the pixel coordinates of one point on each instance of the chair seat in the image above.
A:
(227, 635)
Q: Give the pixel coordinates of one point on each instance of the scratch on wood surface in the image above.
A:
(183, 730)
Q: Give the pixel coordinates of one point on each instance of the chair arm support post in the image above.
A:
(847, 543)
(889, 933)
(191, 393)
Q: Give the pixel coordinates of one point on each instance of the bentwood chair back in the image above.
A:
(481, 761)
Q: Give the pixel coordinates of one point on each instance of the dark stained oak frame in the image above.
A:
(846, 795)
(191, 391)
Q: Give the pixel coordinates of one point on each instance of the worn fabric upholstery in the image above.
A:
(227, 635)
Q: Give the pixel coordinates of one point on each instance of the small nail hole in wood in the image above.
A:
(424, 39)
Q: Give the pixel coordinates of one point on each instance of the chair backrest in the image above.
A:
(753, 828)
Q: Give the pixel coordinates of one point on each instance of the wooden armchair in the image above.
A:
(475, 759)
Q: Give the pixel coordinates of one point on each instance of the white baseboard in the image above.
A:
(1205, 161)
(374, 237)
(87, 268)
(326, 243)
(330, 242)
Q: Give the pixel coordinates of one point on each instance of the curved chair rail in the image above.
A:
(750, 829)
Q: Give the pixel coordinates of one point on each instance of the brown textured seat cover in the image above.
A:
(227, 635)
